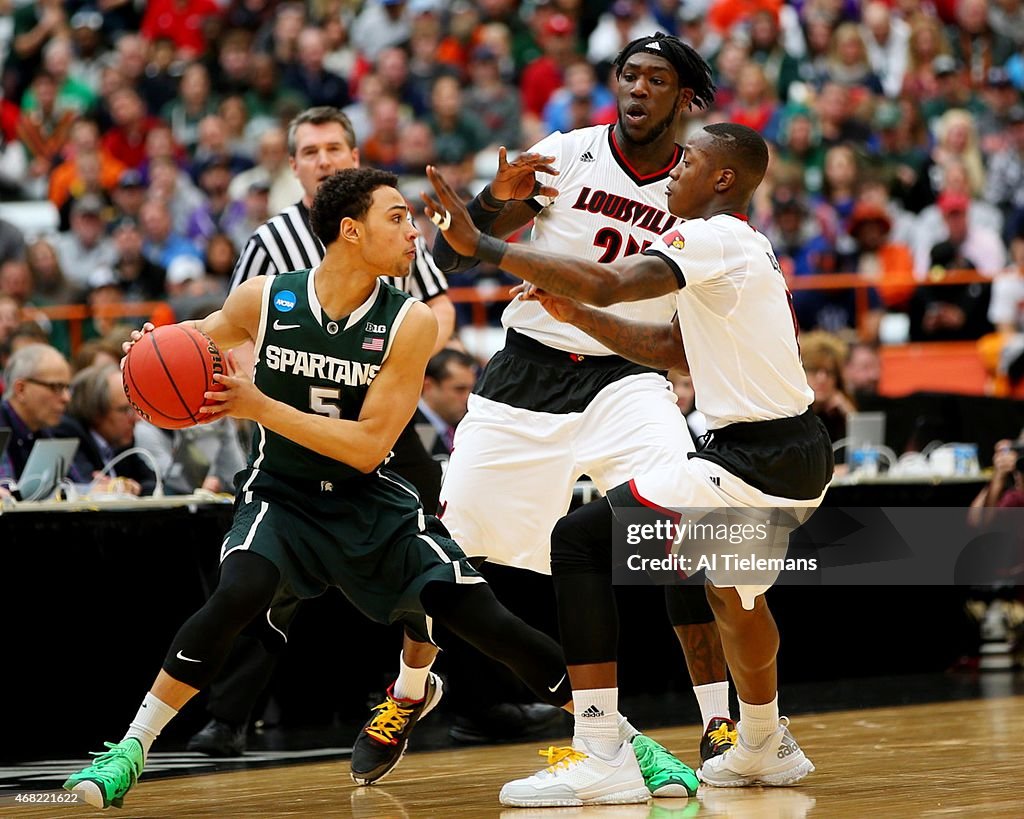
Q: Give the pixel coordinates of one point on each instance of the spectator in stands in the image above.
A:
(956, 139)
(624, 22)
(127, 139)
(51, 285)
(458, 134)
(268, 100)
(181, 21)
(88, 184)
(823, 356)
(978, 246)
(862, 371)
(580, 102)
(392, 67)
(956, 312)
(128, 194)
(66, 181)
(96, 352)
(272, 170)
(43, 133)
(927, 41)
(213, 144)
(162, 245)
(36, 394)
(494, 101)
(71, 93)
(138, 278)
(754, 105)
(380, 148)
(34, 26)
(231, 76)
(103, 421)
(160, 83)
(843, 176)
(848, 63)
(889, 264)
(995, 119)
(799, 145)
(691, 29)
(175, 188)
(193, 102)
(218, 214)
(256, 203)
(220, 257)
(447, 384)
(1005, 488)
(84, 248)
(1006, 312)
(1007, 17)
(887, 38)
(1005, 185)
(10, 318)
(975, 44)
(837, 117)
(930, 228)
(952, 91)
(381, 24)
(768, 50)
(543, 76)
(308, 77)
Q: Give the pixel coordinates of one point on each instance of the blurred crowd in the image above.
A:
(158, 132)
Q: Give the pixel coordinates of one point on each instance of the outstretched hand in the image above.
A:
(561, 308)
(239, 398)
(518, 179)
(450, 214)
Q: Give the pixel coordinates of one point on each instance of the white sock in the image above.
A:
(153, 715)
(412, 682)
(597, 719)
(758, 722)
(713, 699)
(626, 731)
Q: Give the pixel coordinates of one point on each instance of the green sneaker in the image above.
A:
(664, 775)
(111, 775)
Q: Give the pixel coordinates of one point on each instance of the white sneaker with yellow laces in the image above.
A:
(576, 776)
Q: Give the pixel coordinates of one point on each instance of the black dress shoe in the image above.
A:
(505, 721)
(219, 738)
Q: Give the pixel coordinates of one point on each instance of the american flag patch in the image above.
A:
(374, 344)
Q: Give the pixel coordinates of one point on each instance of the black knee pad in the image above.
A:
(688, 605)
(581, 542)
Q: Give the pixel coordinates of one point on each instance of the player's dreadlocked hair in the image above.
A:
(691, 69)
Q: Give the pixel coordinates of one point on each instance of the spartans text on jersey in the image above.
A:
(318, 365)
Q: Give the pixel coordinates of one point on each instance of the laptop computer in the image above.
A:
(865, 429)
(47, 465)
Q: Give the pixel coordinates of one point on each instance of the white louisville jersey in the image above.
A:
(737, 321)
(604, 210)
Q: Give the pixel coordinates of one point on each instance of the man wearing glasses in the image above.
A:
(36, 395)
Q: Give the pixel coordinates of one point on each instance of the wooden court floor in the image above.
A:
(961, 758)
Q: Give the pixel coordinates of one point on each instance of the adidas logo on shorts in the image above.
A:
(593, 711)
(587, 157)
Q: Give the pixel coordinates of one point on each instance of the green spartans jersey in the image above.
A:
(318, 365)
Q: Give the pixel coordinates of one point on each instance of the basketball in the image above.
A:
(166, 373)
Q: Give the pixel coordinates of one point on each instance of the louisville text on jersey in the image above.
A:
(317, 365)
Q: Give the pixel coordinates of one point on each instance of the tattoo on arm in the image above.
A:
(653, 345)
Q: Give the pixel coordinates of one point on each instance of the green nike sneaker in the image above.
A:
(111, 775)
(664, 775)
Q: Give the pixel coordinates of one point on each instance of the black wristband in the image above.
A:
(491, 250)
(489, 200)
(483, 217)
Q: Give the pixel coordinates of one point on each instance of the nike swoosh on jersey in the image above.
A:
(181, 656)
(279, 326)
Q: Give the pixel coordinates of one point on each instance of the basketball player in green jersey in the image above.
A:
(340, 358)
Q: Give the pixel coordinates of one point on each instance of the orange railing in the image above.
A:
(479, 299)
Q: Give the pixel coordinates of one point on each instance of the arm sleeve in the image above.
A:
(692, 250)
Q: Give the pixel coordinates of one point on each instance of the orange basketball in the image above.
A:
(167, 372)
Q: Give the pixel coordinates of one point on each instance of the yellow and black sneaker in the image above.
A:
(381, 743)
(719, 737)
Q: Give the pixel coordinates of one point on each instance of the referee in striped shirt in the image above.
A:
(321, 142)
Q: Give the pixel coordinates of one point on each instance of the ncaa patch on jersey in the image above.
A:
(284, 301)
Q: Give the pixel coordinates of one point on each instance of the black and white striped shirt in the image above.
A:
(286, 242)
